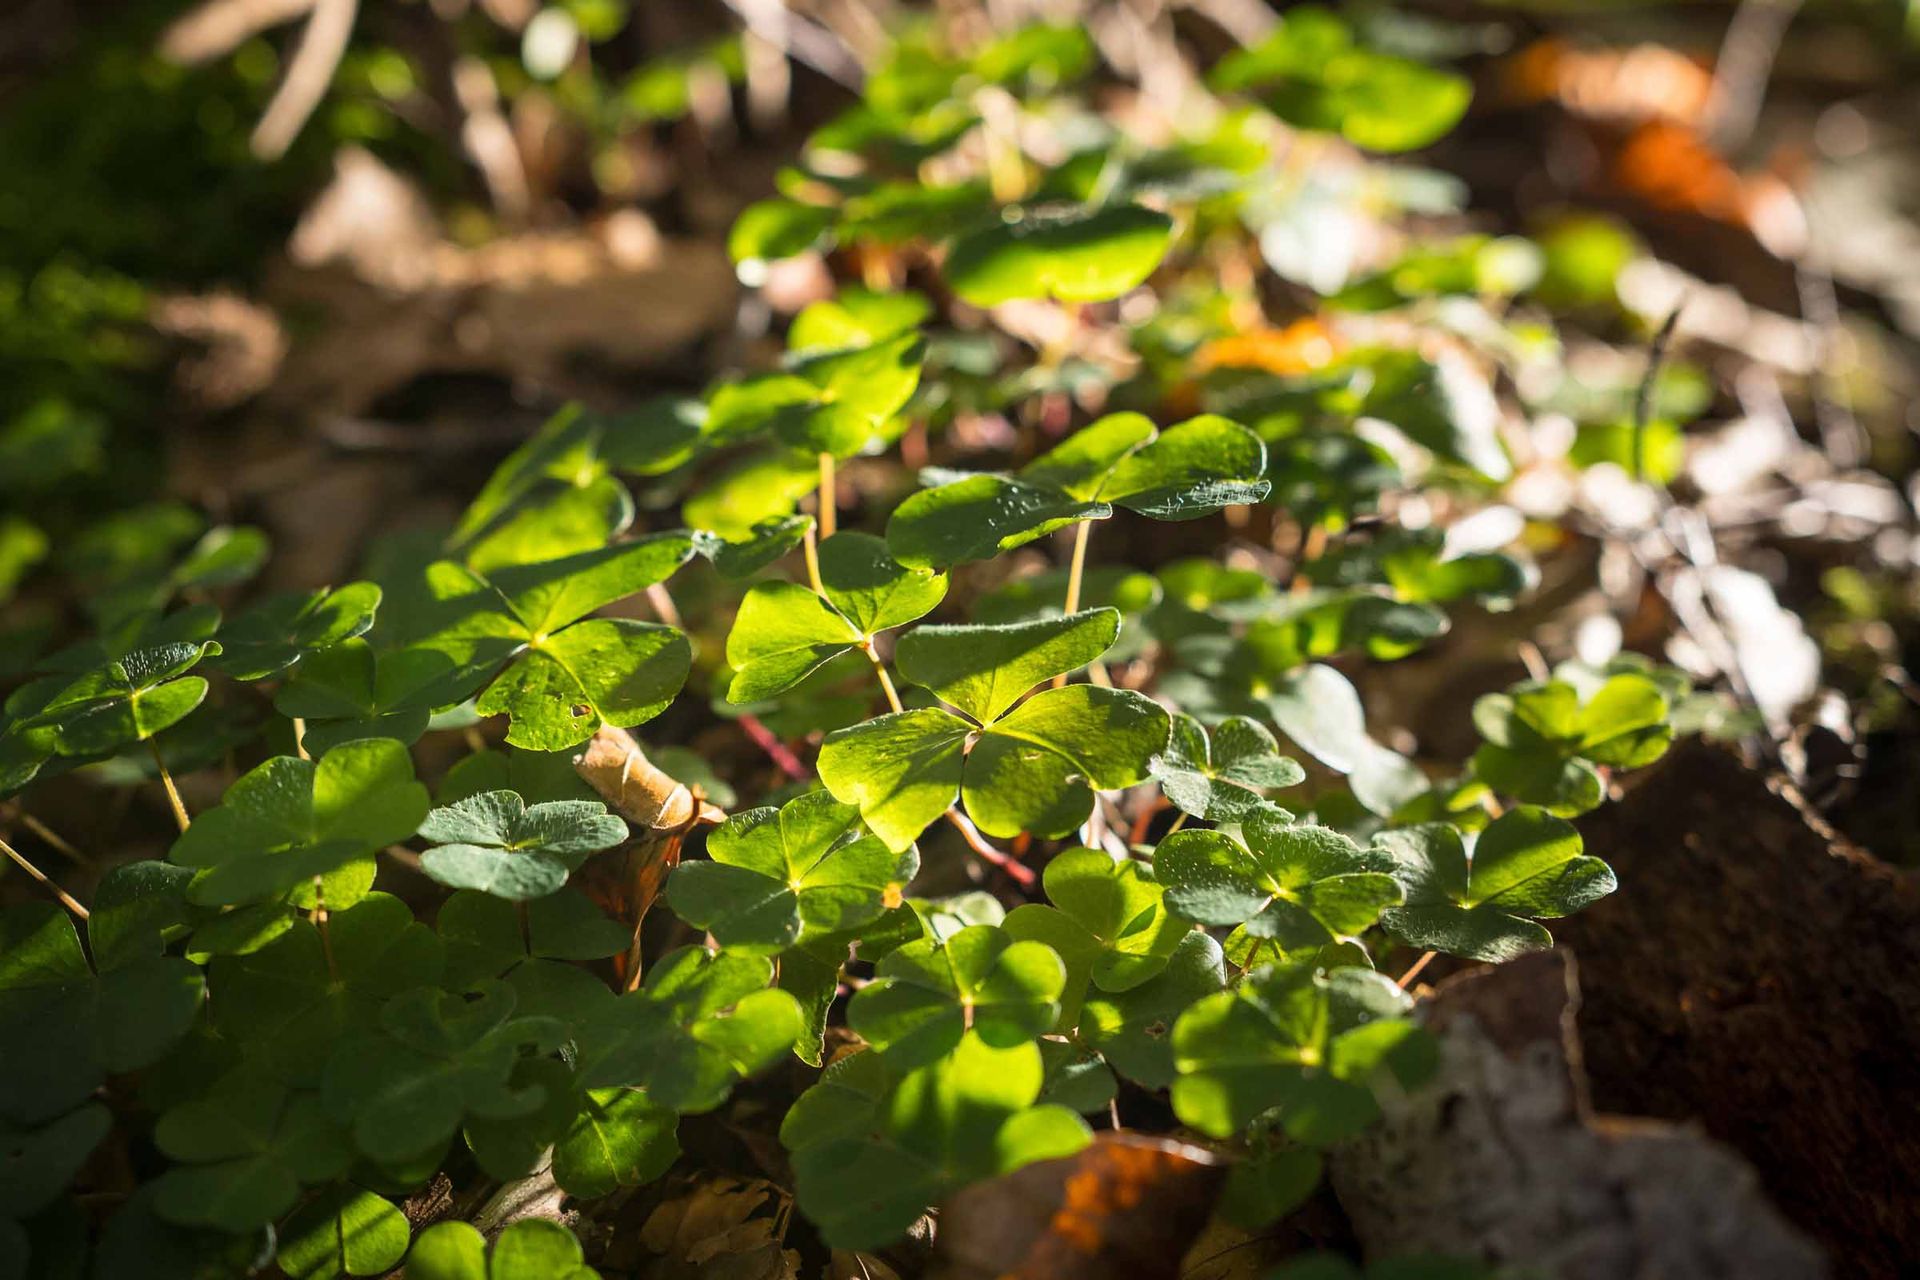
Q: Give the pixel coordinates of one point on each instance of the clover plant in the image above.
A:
(1031, 832)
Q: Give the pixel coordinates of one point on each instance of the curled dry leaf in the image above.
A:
(626, 882)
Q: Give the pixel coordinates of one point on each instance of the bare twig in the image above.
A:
(323, 42)
(218, 27)
(1745, 64)
(803, 39)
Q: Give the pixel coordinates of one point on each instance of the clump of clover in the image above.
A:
(304, 1048)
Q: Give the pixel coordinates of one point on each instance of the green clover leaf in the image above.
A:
(245, 1151)
(1133, 1029)
(572, 453)
(1416, 565)
(1219, 777)
(1031, 768)
(856, 317)
(926, 994)
(832, 402)
(1189, 470)
(784, 632)
(619, 1138)
(781, 876)
(703, 1020)
(1302, 886)
(1544, 744)
(1069, 255)
(984, 670)
(1305, 1042)
(125, 701)
(290, 820)
(343, 1231)
(1526, 866)
(291, 1000)
(484, 937)
(436, 1059)
(760, 547)
(1107, 923)
(65, 1026)
(564, 678)
(530, 1249)
(351, 690)
(1319, 710)
(494, 843)
(774, 229)
(759, 487)
(1312, 74)
(282, 629)
(38, 1163)
(871, 1149)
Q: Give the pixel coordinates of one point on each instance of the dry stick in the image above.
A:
(166, 780)
(49, 836)
(829, 499)
(66, 900)
(323, 42)
(300, 738)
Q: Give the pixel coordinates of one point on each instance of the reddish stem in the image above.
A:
(776, 750)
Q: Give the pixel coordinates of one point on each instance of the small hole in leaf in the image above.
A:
(579, 710)
(1155, 1030)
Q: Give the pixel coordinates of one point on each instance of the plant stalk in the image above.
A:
(886, 681)
(1077, 567)
(1020, 873)
(66, 899)
(166, 780)
(51, 837)
(811, 545)
(829, 503)
(1407, 977)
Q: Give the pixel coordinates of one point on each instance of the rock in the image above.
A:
(1502, 1159)
(1759, 975)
